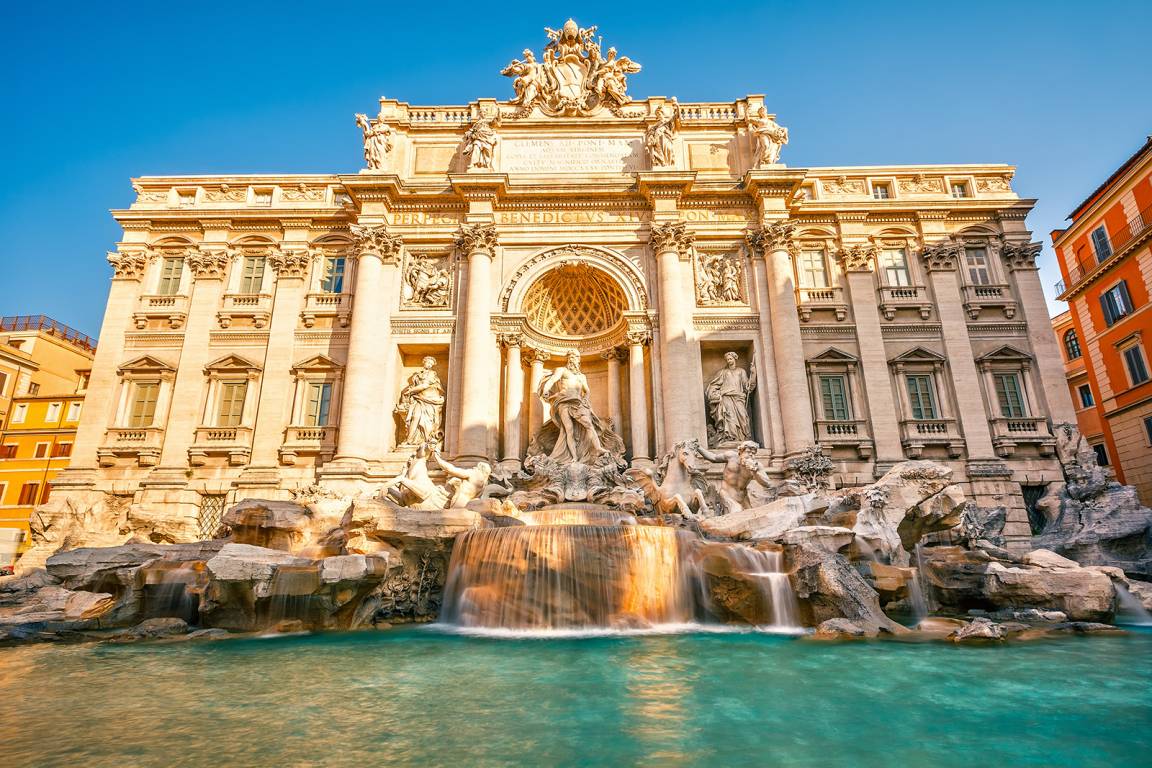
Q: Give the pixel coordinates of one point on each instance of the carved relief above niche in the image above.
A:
(719, 279)
(427, 281)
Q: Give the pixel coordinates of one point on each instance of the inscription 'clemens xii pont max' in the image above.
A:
(578, 155)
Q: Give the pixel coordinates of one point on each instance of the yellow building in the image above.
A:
(44, 369)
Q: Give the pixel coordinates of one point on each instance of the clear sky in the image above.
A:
(95, 93)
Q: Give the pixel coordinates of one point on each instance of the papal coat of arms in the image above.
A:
(571, 77)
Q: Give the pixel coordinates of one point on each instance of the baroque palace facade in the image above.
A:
(267, 333)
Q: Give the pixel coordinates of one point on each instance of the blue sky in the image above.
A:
(95, 93)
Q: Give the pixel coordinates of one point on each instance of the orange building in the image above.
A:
(1105, 257)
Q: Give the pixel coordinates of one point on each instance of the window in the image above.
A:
(333, 281)
(143, 408)
(1137, 366)
(319, 403)
(252, 274)
(20, 413)
(3, 492)
(262, 197)
(1071, 344)
(3, 383)
(231, 410)
(41, 450)
(28, 494)
(894, 265)
(73, 412)
(977, 260)
(1101, 244)
(1116, 302)
(813, 269)
(52, 415)
(959, 189)
(47, 492)
(7, 451)
(1085, 393)
(881, 191)
(171, 270)
(82, 381)
(921, 396)
(33, 389)
(1010, 396)
(186, 198)
(1148, 429)
(1101, 454)
(834, 397)
(61, 449)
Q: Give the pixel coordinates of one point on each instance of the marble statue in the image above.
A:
(414, 487)
(422, 406)
(377, 141)
(727, 395)
(571, 77)
(677, 486)
(465, 483)
(425, 283)
(770, 138)
(658, 138)
(719, 281)
(577, 430)
(740, 469)
(480, 141)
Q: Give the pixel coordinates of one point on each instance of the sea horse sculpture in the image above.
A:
(681, 489)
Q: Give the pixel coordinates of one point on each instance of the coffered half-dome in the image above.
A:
(574, 300)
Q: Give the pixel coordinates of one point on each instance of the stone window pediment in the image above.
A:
(146, 365)
(317, 365)
(919, 355)
(231, 364)
(1006, 354)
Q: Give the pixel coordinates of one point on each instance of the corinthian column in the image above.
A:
(776, 241)
(363, 410)
(477, 243)
(615, 407)
(276, 386)
(638, 395)
(208, 269)
(683, 406)
(536, 412)
(99, 401)
(513, 396)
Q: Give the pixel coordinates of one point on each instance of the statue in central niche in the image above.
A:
(574, 433)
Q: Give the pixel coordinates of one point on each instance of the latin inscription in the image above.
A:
(584, 155)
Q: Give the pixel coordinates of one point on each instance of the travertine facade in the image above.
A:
(261, 329)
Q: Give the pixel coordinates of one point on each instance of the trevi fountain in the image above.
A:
(572, 601)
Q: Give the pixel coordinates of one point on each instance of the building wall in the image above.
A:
(1123, 205)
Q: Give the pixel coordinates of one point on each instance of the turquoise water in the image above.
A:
(423, 697)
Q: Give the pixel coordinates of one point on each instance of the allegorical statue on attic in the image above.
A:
(480, 142)
(571, 77)
(658, 137)
(770, 138)
(377, 141)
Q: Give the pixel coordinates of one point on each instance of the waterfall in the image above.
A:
(1129, 609)
(579, 567)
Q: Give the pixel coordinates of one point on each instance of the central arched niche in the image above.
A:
(573, 301)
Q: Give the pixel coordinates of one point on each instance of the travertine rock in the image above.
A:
(769, 521)
(913, 499)
(830, 588)
(1046, 559)
(827, 537)
(980, 630)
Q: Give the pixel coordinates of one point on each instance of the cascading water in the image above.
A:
(1130, 610)
(584, 568)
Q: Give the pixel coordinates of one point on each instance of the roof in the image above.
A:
(1100, 190)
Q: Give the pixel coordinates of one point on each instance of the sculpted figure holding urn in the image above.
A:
(740, 469)
(422, 406)
(727, 394)
(658, 138)
(480, 142)
(770, 138)
(377, 141)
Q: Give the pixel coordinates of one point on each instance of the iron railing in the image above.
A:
(49, 326)
(1132, 231)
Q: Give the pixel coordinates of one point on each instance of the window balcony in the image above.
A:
(1122, 242)
(845, 433)
(809, 300)
(170, 309)
(232, 443)
(308, 441)
(334, 305)
(896, 297)
(140, 443)
(980, 297)
(918, 434)
(254, 307)
(1008, 433)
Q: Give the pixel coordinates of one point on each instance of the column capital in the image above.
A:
(533, 355)
(375, 240)
(671, 236)
(857, 258)
(1018, 256)
(613, 354)
(476, 239)
(290, 262)
(130, 264)
(775, 236)
(208, 263)
(510, 339)
(639, 338)
(941, 257)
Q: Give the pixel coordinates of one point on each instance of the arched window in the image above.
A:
(1071, 344)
